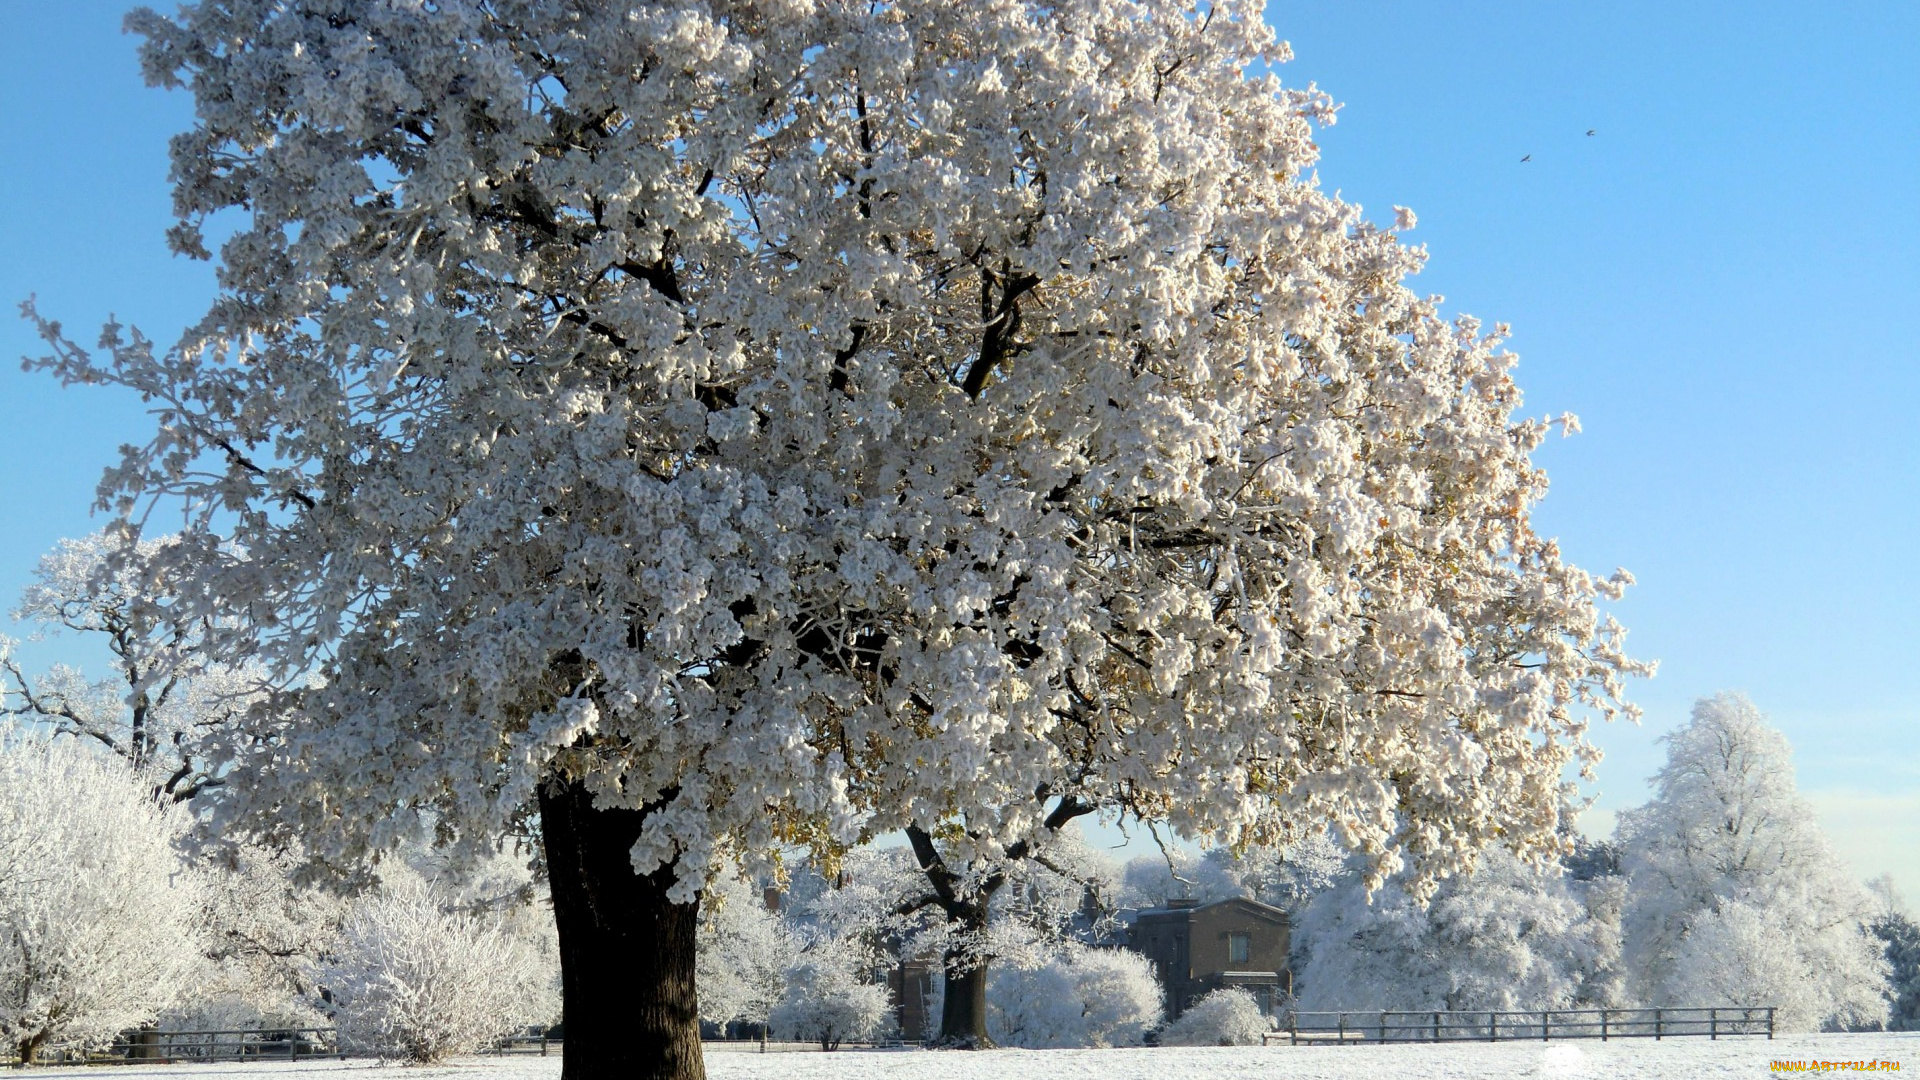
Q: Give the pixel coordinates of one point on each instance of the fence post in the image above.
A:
(1383, 1027)
(1659, 1027)
(1343, 1029)
(1769, 1023)
(1543, 1025)
(1293, 1028)
(543, 1044)
(1436, 1027)
(1493, 1027)
(1603, 1025)
(1713, 1023)
(293, 1045)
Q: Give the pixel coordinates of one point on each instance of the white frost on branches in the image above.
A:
(743, 953)
(96, 908)
(1732, 889)
(1226, 1017)
(1509, 937)
(263, 935)
(1080, 997)
(420, 974)
(817, 416)
(165, 696)
(829, 999)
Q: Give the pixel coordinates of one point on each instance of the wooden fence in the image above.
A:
(159, 1047)
(1538, 1025)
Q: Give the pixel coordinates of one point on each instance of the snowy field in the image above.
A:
(1602, 1061)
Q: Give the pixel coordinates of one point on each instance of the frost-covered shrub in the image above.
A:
(418, 978)
(827, 1001)
(1729, 852)
(96, 931)
(1083, 997)
(1229, 1017)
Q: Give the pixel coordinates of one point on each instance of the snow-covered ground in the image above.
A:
(1625, 1060)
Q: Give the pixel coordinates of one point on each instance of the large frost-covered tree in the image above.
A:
(1731, 887)
(725, 425)
(96, 909)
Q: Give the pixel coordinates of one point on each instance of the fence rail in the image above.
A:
(1356, 1026)
(159, 1047)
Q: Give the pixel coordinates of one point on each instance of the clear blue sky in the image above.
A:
(1721, 282)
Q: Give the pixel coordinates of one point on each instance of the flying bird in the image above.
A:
(1529, 157)
(1590, 131)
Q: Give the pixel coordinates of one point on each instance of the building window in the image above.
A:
(1239, 948)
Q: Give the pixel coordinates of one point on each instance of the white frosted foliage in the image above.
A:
(1732, 888)
(743, 953)
(1509, 937)
(817, 417)
(96, 909)
(1080, 997)
(418, 977)
(829, 999)
(1228, 1017)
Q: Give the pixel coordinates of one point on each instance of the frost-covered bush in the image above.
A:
(1083, 997)
(1728, 852)
(96, 932)
(1507, 937)
(827, 1001)
(418, 977)
(1229, 1017)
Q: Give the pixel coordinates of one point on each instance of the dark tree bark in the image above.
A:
(626, 953)
(963, 1011)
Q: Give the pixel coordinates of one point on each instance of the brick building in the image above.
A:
(1197, 948)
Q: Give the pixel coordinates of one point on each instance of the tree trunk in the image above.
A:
(29, 1048)
(963, 1010)
(626, 953)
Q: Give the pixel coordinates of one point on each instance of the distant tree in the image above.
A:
(1727, 855)
(96, 909)
(829, 998)
(264, 935)
(1509, 936)
(421, 973)
(1894, 925)
(165, 700)
(1080, 997)
(744, 953)
(1227, 1017)
(718, 426)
